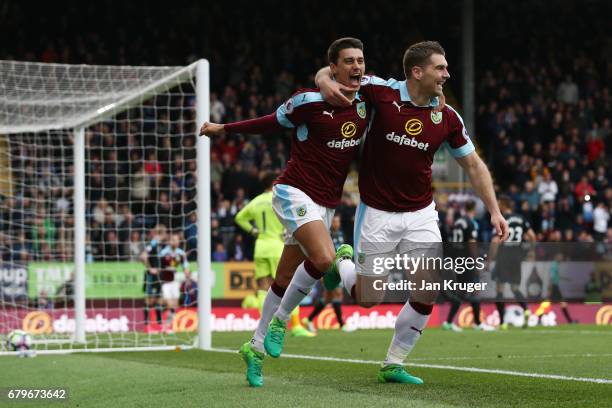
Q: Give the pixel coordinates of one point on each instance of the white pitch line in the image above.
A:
(552, 331)
(518, 356)
(443, 367)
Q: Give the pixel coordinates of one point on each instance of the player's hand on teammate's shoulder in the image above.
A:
(332, 92)
(501, 226)
(212, 129)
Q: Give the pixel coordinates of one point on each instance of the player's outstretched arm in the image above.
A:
(483, 185)
(264, 124)
(331, 90)
(212, 129)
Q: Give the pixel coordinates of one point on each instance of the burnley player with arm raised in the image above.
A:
(324, 142)
(397, 214)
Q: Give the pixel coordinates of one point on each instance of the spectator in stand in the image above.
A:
(151, 166)
(584, 188)
(595, 148)
(20, 250)
(601, 219)
(531, 196)
(547, 188)
(219, 254)
(237, 250)
(217, 109)
(216, 168)
(567, 92)
(191, 236)
(135, 247)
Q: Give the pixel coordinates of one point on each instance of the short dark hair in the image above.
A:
(418, 54)
(506, 202)
(470, 205)
(340, 44)
(268, 180)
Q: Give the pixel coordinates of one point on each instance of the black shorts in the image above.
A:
(469, 276)
(555, 294)
(507, 274)
(152, 285)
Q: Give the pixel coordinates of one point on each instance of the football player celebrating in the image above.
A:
(397, 214)
(258, 219)
(324, 142)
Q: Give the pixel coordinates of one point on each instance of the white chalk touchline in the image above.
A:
(514, 356)
(553, 331)
(444, 367)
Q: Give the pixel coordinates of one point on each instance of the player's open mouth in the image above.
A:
(355, 79)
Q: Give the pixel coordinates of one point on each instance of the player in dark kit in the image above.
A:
(508, 256)
(152, 282)
(397, 215)
(325, 140)
(463, 238)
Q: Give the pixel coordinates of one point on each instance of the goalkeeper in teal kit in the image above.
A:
(268, 247)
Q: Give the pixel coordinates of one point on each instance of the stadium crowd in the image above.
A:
(542, 121)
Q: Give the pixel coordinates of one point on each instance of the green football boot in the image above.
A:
(275, 337)
(451, 327)
(301, 331)
(331, 280)
(395, 373)
(254, 362)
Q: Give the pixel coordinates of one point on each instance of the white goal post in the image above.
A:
(49, 114)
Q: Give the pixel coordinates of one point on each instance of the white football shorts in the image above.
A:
(295, 208)
(382, 234)
(171, 290)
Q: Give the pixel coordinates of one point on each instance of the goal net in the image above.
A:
(98, 171)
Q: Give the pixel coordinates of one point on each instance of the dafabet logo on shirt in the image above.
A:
(348, 129)
(414, 127)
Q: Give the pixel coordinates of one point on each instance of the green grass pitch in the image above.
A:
(209, 379)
